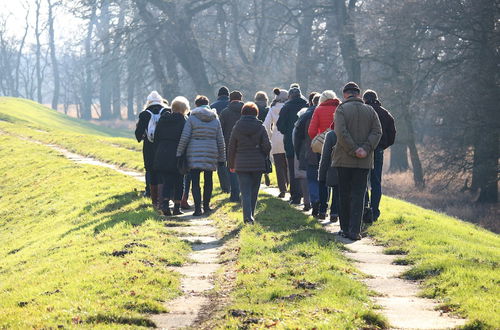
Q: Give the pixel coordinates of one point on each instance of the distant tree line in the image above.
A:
(434, 63)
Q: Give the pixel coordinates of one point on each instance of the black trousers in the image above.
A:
(207, 186)
(295, 188)
(352, 188)
(173, 186)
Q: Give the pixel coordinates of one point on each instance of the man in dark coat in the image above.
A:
(286, 124)
(228, 119)
(155, 104)
(388, 136)
(219, 105)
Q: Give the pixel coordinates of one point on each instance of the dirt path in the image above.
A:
(197, 276)
(397, 297)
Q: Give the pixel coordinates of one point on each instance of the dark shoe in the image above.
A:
(197, 211)
(307, 207)
(353, 237)
(281, 195)
(250, 221)
(166, 211)
(177, 209)
(184, 203)
(315, 209)
(322, 216)
(294, 202)
(207, 209)
(334, 218)
(341, 233)
(146, 194)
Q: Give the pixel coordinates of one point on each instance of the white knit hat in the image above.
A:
(154, 98)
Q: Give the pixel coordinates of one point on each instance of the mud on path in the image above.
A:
(398, 297)
(197, 276)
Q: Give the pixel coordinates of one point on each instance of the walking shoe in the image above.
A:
(334, 218)
(281, 195)
(177, 209)
(294, 202)
(315, 209)
(307, 207)
(354, 237)
(207, 209)
(197, 211)
(166, 211)
(322, 216)
(184, 203)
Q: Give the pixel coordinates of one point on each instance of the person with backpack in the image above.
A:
(202, 143)
(286, 124)
(248, 152)
(358, 132)
(277, 146)
(167, 136)
(228, 119)
(388, 136)
(144, 131)
(219, 105)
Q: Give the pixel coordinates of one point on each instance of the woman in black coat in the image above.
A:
(167, 136)
(249, 147)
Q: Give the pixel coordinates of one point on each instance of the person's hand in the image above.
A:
(232, 170)
(361, 153)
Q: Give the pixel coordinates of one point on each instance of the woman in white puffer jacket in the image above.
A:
(278, 148)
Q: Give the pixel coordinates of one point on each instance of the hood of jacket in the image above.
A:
(331, 103)
(155, 108)
(297, 102)
(204, 113)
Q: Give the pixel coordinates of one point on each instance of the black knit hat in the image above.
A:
(370, 96)
(235, 95)
(223, 91)
(351, 86)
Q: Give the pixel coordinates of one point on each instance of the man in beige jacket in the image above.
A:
(358, 132)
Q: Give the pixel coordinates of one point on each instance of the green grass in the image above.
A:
(60, 225)
(291, 273)
(458, 262)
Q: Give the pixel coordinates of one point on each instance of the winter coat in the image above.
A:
(221, 103)
(167, 136)
(286, 122)
(327, 173)
(357, 125)
(263, 110)
(388, 127)
(301, 140)
(148, 149)
(272, 131)
(229, 117)
(323, 117)
(249, 146)
(202, 140)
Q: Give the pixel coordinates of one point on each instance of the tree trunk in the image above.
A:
(303, 67)
(106, 63)
(53, 57)
(347, 39)
(86, 111)
(116, 79)
(38, 53)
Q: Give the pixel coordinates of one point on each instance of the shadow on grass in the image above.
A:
(134, 217)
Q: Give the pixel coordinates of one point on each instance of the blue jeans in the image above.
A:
(312, 180)
(235, 186)
(250, 184)
(376, 182)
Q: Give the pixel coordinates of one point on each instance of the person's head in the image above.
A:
(201, 100)
(316, 99)
(294, 85)
(327, 95)
(281, 95)
(250, 109)
(180, 105)
(235, 96)
(223, 91)
(261, 96)
(154, 98)
(311, 98)
(370, 96)
(294, 93)
(351, 89)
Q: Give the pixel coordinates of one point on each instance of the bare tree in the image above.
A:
(53, 55)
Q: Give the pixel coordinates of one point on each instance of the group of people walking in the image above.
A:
(324, 151)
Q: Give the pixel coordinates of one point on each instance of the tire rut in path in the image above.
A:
(397, 297)
(197, 276)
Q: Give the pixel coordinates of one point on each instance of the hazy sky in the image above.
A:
(66, 25)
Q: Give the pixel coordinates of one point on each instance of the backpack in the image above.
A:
(150, 131)
(318, 141)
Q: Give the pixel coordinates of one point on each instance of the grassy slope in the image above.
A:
(457, 261)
